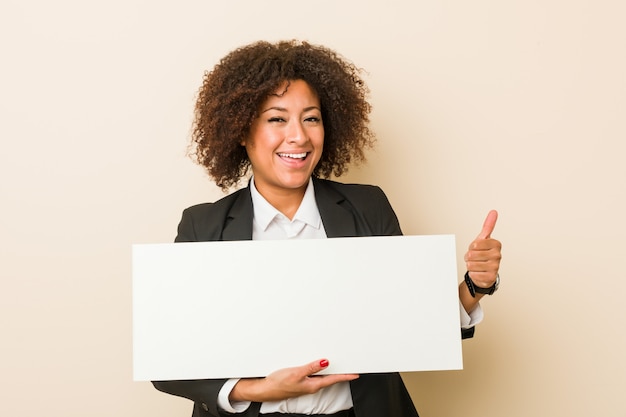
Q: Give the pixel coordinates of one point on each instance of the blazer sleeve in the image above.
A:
(203, 392)
(467, 333)
(186, 228)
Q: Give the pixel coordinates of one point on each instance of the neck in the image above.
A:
(287, 201)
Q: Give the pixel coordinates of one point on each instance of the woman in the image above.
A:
(293, 114)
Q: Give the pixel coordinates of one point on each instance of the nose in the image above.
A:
(296, 133)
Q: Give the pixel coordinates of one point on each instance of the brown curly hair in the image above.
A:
(233, 91)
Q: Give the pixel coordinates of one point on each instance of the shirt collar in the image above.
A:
(264, 212)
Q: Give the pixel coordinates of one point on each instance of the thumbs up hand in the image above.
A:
(483, 256)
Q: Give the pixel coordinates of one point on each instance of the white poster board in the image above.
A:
(247, 308)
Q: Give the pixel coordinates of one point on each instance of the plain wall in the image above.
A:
(518, 106)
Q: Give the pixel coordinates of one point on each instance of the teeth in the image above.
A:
(293, 155)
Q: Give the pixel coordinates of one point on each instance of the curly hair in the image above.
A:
(233, 91)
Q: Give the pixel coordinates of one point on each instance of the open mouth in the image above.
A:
(295, 156)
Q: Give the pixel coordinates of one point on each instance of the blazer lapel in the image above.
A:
(338, 220)
(337, 217)
(238, 222)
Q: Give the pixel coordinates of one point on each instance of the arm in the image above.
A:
(287, 383)
(482, 261)
(280, 385)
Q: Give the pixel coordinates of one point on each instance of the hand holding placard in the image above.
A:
(287, 383)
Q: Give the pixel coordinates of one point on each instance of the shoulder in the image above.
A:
(360, 196)
(350, 190)
(368, 204)
(206, 221)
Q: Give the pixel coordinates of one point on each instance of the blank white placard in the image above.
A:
(247, 308)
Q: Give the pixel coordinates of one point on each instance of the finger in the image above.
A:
(481, 252)
(480, 245)
(324, 381)
(488, 225)
(485, 266)
(316, 366)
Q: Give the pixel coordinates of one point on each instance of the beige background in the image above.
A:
(515, 105)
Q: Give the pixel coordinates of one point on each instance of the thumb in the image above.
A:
(489, 225)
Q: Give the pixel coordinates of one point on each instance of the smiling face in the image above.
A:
(286, 140)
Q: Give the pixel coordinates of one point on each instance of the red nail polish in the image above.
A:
(323, 363)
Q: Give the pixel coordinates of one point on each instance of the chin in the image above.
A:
(296, 184)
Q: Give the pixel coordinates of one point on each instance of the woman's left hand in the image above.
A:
(482, 259)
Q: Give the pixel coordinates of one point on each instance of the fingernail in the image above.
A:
(323, 363)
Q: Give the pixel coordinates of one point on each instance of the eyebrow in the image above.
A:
(284, 109)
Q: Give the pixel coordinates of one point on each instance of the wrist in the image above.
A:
(245, 390)
(468, 301)
(224, 402)
(475, 290)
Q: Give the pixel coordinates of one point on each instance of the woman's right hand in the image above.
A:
(287, 383)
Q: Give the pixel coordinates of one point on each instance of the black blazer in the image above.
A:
(347, 210)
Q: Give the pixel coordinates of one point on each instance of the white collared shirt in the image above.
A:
(270, 224)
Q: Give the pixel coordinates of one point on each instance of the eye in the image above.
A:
(275, 119)
(313, 119)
